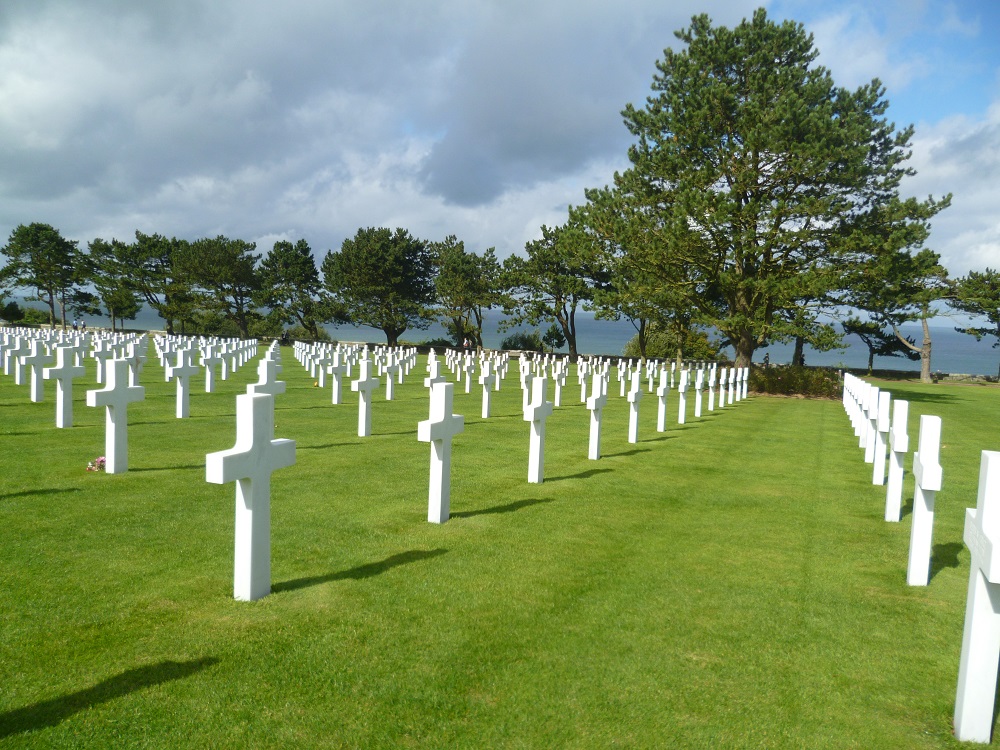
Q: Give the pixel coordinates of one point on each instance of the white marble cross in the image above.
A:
(391, 368)
(871, 428)
(536, 412)
(336, 369)
(486, 381)
(634, 397)
(267, 378)
(183, 371)
(322, 362)
(582, 369)
(210, 359)
(559, 368)
(36, 359)
(250, 464)
(977, 671)
(882, 423)
(115, 397)
(662, 391)
(598, 399)
(723, 374)
(442, 426)
(103, 351)
(711, 388)
(434, 374)
(63, 373)
(927, 476)
(469, 368)
(364, 386)
(862, 427)
(526, 378)
(699, 381)
(899, 444)
(682, 397)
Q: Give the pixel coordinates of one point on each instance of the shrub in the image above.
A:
(438, 343)
(13, 312)
(554, 338)
(34, 316)
(792, 380)
(299, 333)
(529, 341)
(661, 344)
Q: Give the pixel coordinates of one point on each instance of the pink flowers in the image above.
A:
(97, 464)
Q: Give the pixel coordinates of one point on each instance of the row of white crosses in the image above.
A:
(442, 424)
(228, 355)
(128, 353)
(880, 424)
(977, 673)
(122, 388)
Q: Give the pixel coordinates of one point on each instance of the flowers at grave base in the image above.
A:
(315, 384)
(98, 464)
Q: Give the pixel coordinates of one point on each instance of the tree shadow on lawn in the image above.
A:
(51, 712)
(362, 571)
(509, 508)
(944, 555)
(930, 398)
(26, 493)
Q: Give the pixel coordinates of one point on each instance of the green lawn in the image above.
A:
(729, 583)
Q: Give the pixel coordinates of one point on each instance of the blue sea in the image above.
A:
(951, 352)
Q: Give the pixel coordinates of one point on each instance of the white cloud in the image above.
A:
(961, 155)
(312, 118)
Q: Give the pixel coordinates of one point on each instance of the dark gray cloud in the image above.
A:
(310, 118)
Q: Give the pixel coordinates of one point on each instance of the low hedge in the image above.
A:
(793, 380)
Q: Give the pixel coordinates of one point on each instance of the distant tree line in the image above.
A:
(762, 203)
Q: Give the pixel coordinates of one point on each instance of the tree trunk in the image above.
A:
(569, 331)
(924, 349)
(392, 335)
(925, 354)
(798, 354)
(744, 345)
(871, 359)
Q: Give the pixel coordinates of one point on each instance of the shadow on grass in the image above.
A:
(906, 509)
(326, 445)
(51, 712)
(27, 493)
(929, 398)
(168, 468)
(581, 475)
(509, 508)
(362, 571)
(944, 555)
(631, 452)
(658, 439)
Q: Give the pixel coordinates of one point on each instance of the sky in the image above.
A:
(483, 119)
